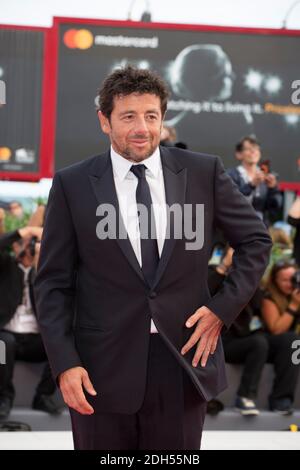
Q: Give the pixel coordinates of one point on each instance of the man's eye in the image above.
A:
(152, 117)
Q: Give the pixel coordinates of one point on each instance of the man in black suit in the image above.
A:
(128, 322)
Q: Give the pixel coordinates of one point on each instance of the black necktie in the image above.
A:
(149, 247)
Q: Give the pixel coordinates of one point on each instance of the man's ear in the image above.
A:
(104, 122)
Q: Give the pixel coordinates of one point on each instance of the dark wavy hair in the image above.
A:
(248, 138)
(272, 288)
(127, 80)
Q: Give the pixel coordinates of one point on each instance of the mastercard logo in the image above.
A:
(5, 153)
(78, 39)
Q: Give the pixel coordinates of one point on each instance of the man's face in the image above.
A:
(251, 153)
(134, 126)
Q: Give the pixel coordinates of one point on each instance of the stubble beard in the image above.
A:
(128, 153)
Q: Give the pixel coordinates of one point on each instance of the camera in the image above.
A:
(31, 246)
(28, 248)
(296, 280)
(265, 166)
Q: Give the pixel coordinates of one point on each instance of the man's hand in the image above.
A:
(71, 383)
(29, 232)
(258, 178)
(206, 333)
(271, 180)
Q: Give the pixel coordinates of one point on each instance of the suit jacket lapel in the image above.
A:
(103, 185)
(175, 176)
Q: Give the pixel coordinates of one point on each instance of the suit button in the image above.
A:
(152, 295)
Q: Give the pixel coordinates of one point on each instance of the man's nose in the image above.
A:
(141, 126)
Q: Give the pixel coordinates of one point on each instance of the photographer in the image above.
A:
(281, 314)
(249, 344)
(18, 324)
(257, 183)
(294, 219)
(245, 342)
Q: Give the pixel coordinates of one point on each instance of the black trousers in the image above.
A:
(253, 352)
(26, 347)
(170, 418)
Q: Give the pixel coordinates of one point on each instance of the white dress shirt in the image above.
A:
(24, 320)
(126, 183)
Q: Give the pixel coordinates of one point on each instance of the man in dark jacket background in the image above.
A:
(257, 183)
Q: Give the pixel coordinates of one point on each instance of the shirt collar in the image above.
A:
(26, 269)
(121, 166)
(243, 172)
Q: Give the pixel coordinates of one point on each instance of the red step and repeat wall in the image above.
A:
(225, 83)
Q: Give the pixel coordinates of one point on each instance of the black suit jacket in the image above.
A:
(94, 307)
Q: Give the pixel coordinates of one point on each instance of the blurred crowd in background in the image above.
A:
(264, 332)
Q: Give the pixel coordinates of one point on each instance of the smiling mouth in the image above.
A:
(139, 142)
